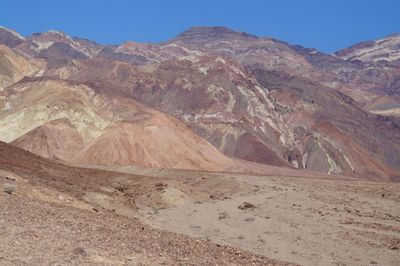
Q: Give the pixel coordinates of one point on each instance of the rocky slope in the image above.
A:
(385, 49)
(256, 114)
(10, 37)
(14, 67)
(252, 98)
(65, 210)
(68, 121)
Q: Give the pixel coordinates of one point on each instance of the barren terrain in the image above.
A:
(170, 217)
(310, 222)
(49, 217)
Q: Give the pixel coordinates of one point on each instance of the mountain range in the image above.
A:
(209, 99)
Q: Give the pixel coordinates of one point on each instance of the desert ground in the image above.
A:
(42, 228)
(63, 215)
(310, 222)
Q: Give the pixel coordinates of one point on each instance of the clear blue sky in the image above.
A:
(327, 25)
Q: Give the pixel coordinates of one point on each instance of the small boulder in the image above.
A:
(9, 188)
(79, 251)
(246, 205)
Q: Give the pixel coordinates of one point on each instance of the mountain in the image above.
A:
(68, 121)
(246, 49)
(361, 80)
(210, 98)
(385, 49)
(14, 67)
(10, 38)
(204, 94)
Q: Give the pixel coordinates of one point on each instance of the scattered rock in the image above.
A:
(246, 205)
(394, 248)
(195, 226)
(9, 188)
(160, 186)
(79, 251)
(11, 179)
(249, 219)
(223, 215)
(260, 239)
(120, 188)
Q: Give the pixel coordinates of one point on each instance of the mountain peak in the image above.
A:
(56, 32)
(52, 33)
(212, 32)
(386, 49)
(16, 34)
(393, 35)
(9, 37)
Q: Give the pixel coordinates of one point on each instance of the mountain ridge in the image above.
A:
(252, 98)
(207, 28)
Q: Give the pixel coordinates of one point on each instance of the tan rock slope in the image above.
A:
(67, 121)
(14, 67)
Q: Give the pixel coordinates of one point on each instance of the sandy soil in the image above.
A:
(310, 222)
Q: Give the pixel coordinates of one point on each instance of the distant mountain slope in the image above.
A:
(210, 91)
(13, 67)
(257, 115)
(387, 49)
(10, 37)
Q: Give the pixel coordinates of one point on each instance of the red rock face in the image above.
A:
(255, 99)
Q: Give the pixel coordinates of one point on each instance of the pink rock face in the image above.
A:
(232, 95)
